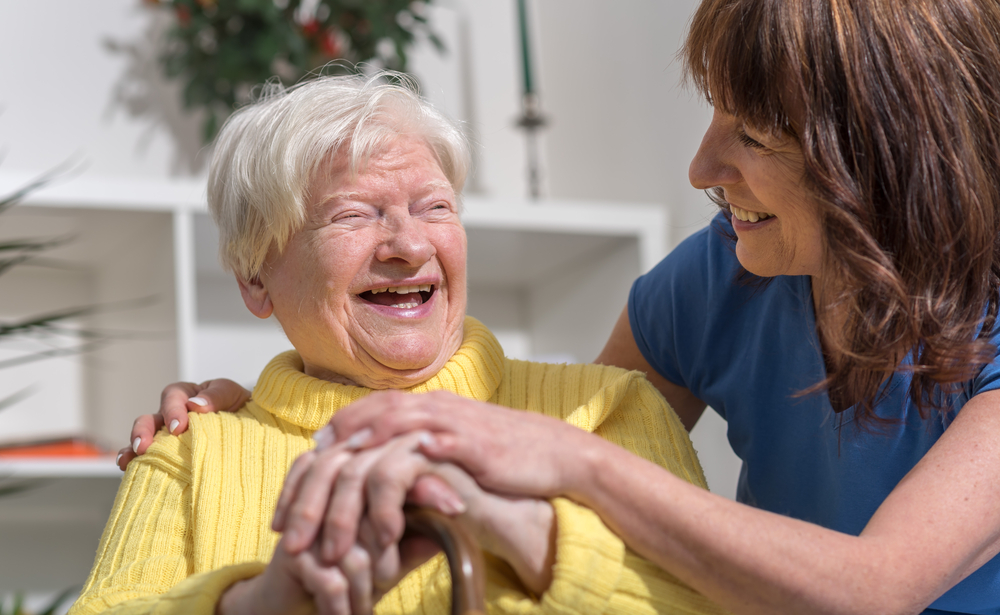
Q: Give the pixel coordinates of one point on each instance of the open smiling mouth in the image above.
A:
(404, 297)
(748, 216)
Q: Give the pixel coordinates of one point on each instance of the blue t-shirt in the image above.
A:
(746, 351)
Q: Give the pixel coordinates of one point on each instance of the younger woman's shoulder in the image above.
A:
(704, 261)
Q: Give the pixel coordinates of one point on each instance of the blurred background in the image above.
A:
(84, 92)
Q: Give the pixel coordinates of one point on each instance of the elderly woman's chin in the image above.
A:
(391, 359)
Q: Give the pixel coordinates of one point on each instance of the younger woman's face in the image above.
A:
(763, 179)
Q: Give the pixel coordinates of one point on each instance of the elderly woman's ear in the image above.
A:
(255, 296)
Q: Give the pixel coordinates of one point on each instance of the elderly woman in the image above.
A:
(337, 205)
(840, 313)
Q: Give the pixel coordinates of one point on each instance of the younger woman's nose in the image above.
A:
(712, 164)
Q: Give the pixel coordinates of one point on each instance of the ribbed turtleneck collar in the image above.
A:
(287, 393)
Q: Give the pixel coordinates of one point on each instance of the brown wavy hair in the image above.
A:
(901, 140)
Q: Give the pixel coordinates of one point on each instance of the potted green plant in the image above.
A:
(222, 49)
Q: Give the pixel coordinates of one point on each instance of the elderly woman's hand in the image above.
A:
(301, 583)
(176, 400)
(328, 491)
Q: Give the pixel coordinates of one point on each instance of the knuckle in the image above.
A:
(357, 559)
(305, 514)
(304, 459)
(382, 477)
(335, 583)
(339, 522)
(395, 399)
(351, 475)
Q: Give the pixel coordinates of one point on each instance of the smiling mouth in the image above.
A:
(403, 297)
(747, 215)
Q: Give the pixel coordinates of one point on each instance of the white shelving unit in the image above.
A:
(549, 278)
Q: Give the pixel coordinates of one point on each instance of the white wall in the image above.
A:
(621, 127)
(80, 80)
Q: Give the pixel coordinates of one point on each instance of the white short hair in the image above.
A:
(268, 152)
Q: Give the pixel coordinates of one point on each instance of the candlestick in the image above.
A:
(522, 16)
(531, 119)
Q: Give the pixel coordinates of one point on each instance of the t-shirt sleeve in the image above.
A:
(669, 307)
(988, 378)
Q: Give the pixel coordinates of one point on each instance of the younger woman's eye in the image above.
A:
(749, 141)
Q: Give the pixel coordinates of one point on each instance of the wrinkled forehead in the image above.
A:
(351, 160)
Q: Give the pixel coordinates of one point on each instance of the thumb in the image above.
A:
(432, 491)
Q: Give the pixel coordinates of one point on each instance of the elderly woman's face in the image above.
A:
(371, 291)
(776, 220)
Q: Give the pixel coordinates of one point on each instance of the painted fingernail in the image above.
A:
(173, 425)
(198, 401)
(324, 437)
(359, 439)
(118, 459)
(135, 445)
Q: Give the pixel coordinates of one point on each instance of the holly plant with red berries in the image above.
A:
(222, 49)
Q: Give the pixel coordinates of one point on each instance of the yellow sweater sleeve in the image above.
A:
(144, 561)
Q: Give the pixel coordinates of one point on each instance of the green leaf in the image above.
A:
(66, 168)
(31, 245)
(11, 489)
(17, 397)
(36, 322)
(210, 127)
(438, 43)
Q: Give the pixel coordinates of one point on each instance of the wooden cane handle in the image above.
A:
(465, 558)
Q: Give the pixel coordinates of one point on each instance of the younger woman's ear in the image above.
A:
(255, 296)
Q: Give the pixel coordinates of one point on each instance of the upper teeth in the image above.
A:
(748, 216)
(403, 290)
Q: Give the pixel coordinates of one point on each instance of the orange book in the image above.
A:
(70, 447)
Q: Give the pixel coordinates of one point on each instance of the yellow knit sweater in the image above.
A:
(193, 514)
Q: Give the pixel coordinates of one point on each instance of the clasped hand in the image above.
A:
(341, 516)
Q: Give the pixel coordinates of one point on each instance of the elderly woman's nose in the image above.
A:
(405, 239)
(711, 165)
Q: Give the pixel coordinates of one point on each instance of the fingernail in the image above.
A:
(385, 538)
(198, 401)
(135, 445)
(324, 437)
(426, 439)
(359, 439)
(173, 425)
(452, 506)
(118, 459)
